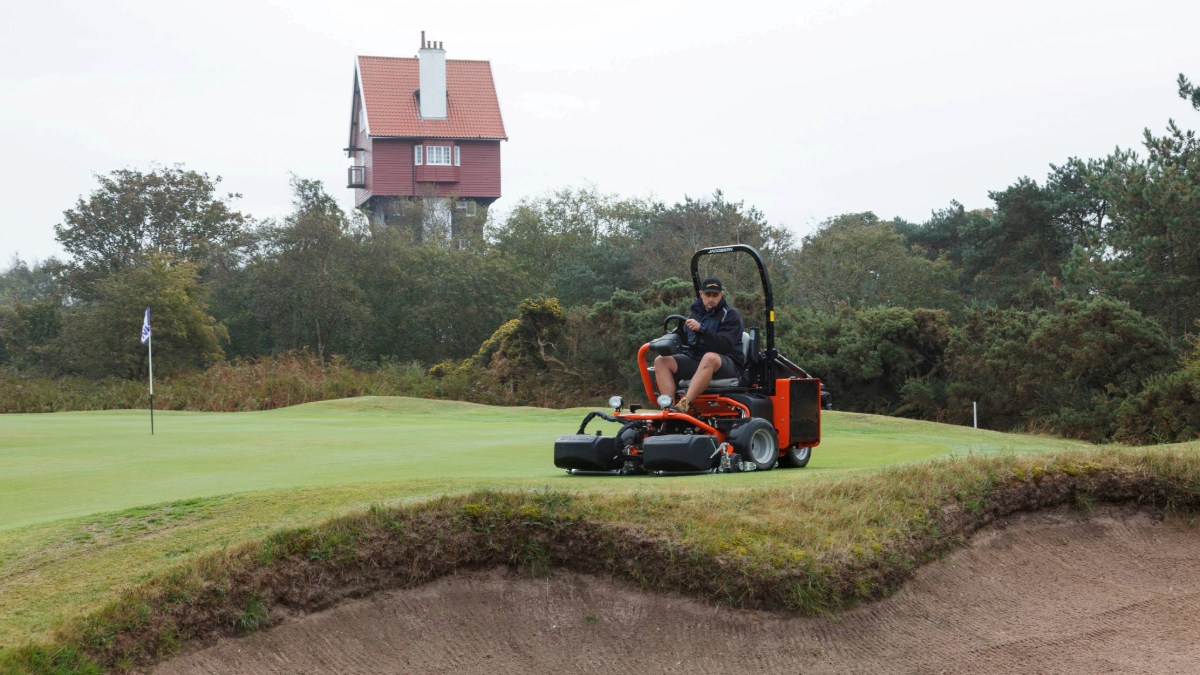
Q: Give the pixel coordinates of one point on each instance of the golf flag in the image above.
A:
(146, 327)
(146, 338)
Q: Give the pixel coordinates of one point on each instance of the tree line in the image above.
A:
(1069, 305)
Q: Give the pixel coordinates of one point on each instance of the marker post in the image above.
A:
(150, 344)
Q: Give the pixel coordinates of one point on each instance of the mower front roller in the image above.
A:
(665, 442)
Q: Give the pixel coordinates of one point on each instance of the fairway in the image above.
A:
(64, 465)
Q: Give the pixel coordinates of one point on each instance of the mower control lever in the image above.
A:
(678, 329)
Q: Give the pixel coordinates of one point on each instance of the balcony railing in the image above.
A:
(357, 177)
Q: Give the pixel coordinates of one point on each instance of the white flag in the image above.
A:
(146, 327)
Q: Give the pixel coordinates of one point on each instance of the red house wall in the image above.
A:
(479, 175)
(392, 166)
(390, 170)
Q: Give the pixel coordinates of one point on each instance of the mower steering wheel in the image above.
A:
(678, 329)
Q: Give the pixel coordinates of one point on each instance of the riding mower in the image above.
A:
(769, 416)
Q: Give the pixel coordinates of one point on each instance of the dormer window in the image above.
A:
(437, 155)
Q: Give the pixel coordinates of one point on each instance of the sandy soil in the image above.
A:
(1043, 593)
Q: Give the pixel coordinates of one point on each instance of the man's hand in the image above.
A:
(693, 325)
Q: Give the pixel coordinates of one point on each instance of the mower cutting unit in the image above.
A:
(770, 415)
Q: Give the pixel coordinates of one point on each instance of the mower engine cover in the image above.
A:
(677, 453)
(587, 453)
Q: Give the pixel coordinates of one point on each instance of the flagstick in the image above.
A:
(150, 343)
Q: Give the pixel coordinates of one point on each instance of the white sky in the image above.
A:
(804, 109)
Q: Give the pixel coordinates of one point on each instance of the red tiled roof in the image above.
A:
(472, 110)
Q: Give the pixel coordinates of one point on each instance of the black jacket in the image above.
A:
(720, 332)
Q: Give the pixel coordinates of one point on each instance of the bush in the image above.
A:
(1167, 410)
(1065, 371)
(870, 358)
(27, 329)
(1089, 369)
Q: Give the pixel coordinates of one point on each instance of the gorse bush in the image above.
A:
(1167, 409)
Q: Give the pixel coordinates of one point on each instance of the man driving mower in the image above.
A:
(767, 416)
(713, 348)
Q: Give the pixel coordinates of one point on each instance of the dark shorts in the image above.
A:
(687, 366)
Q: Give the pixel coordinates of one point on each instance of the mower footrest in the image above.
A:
(586, 453)
(679, 453)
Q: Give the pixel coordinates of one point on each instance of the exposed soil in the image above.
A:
(1046, 592)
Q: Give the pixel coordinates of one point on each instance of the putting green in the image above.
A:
(63, 465)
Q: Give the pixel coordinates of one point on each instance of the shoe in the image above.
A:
(680, 406)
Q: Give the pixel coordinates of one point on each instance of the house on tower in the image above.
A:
(424, 128)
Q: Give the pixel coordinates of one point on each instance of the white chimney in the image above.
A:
(433, 80)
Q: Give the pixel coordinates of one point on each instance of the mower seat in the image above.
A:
(732, 382)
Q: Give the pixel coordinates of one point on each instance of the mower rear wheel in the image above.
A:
(796, 458)
(756, 442)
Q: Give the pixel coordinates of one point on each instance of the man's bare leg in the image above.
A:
(664, 374)
(709, 364)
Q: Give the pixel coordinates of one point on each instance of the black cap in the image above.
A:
(711, 284)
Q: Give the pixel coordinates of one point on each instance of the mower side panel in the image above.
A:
(679, 453)
(586, 453)
(797, 413)
(805, 408)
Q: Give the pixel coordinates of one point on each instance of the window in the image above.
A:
(456, 156)
(465, 205)
(437, 155)
(417, 154)
(362, 120)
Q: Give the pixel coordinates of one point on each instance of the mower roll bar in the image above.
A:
(768, 300)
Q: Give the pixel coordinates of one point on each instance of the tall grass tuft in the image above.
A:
(241, 385)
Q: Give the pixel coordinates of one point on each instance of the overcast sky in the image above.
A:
(803, 109)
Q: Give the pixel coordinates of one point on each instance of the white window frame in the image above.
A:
(438, 155)
(456, 158)
(418, 155)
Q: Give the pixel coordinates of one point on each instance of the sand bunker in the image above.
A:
(1043, 593)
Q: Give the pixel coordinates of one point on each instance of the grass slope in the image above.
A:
(75, 531)
(63, 465)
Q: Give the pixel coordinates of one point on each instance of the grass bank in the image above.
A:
(810, 546)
